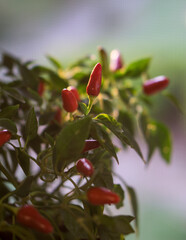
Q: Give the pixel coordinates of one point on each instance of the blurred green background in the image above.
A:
(138, 28)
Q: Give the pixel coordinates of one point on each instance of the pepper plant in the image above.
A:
(56, 145)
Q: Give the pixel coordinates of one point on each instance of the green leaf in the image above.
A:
(119, 190)
(104, 61)
(135, 69)
(14, 94)
(8, 124)
(49, 139)
(134, 204)
(122, 133)
(24, 188)
(23, 160)
(126, 119)
(83, 107)
(53, 79)
(31, 125)
(70, 142)
(73, 220)
(173, 100)
(111, 228)
(28, 76)
(9, 112)
(54, 62)
(157, 135)
(103, 178)
(35, 96)
(99, 133)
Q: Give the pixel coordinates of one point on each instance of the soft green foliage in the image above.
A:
(38, 164)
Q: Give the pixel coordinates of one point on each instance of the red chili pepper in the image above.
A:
(30, 217)
(101, 196)
(155, 85)
(94, 84)
(70, 103)
(75, 92)
(41, 88)
(90, 144)
(85, 167)
(5, 136)
(116, 61)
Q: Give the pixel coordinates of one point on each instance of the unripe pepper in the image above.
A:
(155, 85)
(94, 84)
(5, 136)
(30, 217)
(116, 61)
(75, 92)
(90, 144)
(85, 167)
(101, 196)
(41, 88)
(70, 103)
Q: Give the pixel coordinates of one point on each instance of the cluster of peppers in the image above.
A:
(28, 215)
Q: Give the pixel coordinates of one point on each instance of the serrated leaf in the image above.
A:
(24, 160)
(31, 125)
(134, 204)
(8, 124)
(135, 69)
(118, 189)
(9, 112)
(99, 133)
(122, 133)
(24, 188)
(70, 142)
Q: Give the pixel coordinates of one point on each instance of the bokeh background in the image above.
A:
(138, 28)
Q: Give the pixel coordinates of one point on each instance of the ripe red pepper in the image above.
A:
(90, 144)
(70, 103)
(155, 85)
(101, 196)
(85, 167)
(94, 84)
(41, 88)
(5, 136)
(75, 92)
(116, 61)
(30, 217)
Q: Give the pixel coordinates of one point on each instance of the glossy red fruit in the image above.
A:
(70, 103)
(155, 85)
(75, 92)
(85, 167)
(30, 217)
(90, 144)
(41, 88)
(101, 196)
(5, 136)
(94, 84)
(116, 61)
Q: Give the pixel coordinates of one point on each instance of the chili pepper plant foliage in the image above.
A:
(57, 152)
